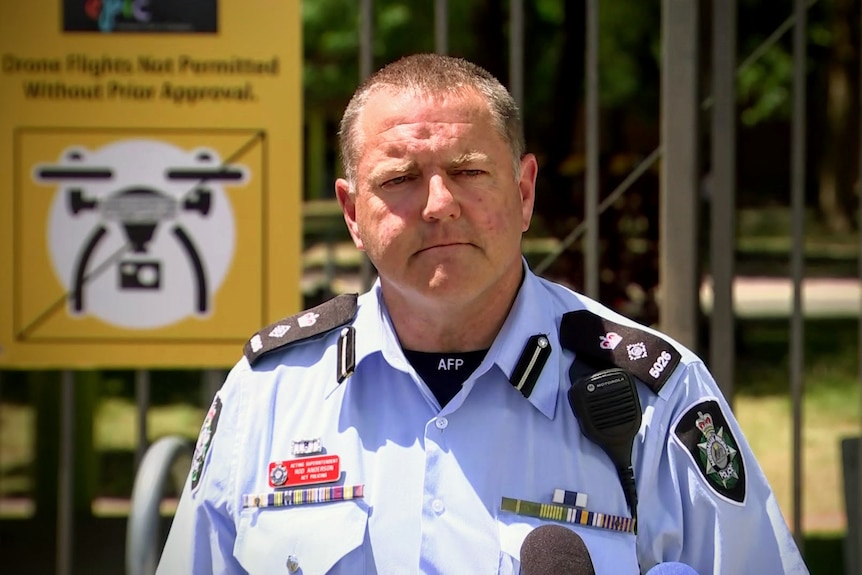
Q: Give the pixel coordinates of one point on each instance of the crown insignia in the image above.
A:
(704, 424)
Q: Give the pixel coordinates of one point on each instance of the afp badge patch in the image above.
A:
(704, 432)
(205, 438)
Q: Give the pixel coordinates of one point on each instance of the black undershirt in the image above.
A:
(444, 373)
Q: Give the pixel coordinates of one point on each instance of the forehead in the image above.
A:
(391, 111)
(401, 123)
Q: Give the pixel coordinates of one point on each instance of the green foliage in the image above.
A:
(330, 46)
(331, 41)
(764, 88)
(629, 48)
(765, 85)
(830, 360)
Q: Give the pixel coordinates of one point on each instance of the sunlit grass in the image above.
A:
(115, 431)
(829, 415)
(116, 424)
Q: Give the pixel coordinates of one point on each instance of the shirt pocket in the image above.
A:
(314, 539)
(611, 553)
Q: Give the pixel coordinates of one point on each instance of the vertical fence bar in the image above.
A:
(516, 52)
(441, 26)
(797, 200)
(366, 61)
(680, 107)
(858, 566)
(211, 382)
(142, 400)
(1, 436)
(366, 33)
(591, 198)
(65, 485)
(723, 195)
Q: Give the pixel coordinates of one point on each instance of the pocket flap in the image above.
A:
(313, 537)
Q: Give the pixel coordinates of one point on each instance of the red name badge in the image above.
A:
(304, 471)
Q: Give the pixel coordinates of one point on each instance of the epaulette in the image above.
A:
(315, 321)
(604, 343)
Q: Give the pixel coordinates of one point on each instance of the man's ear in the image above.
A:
(527, 188)
(348, 208)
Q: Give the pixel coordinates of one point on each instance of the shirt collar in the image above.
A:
(531, 314)
(374, 333)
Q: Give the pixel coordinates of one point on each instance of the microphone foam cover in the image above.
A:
(671, 568)
(554, 549)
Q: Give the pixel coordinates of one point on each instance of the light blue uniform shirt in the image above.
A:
(434, 478)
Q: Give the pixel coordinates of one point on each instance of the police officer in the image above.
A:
(426, 426)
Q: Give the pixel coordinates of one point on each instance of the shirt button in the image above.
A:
(437, 506)
(442, 423)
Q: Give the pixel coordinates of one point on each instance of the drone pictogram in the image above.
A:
(138, 188)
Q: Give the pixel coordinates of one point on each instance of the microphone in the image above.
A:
(554, 549)
(671, 568)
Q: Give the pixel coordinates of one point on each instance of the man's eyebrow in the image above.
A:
(467, 158)
(396, 167)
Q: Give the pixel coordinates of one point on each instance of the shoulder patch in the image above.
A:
(205, 437)
(605, 343)
(704, 432)
(321, 319)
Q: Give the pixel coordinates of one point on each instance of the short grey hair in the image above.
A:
(437, 75)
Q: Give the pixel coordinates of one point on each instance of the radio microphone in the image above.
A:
(554, 549)
(608, 410)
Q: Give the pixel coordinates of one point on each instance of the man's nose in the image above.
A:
(441, 203)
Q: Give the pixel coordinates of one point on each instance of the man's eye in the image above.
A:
(395, 181)
(470, 172)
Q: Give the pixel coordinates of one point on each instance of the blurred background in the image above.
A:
(766, 210)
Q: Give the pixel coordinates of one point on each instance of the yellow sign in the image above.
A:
(151, 181)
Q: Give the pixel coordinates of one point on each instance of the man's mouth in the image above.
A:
(444, 245)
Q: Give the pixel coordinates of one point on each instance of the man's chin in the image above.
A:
(452, 286)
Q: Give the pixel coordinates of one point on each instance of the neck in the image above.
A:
(435, 324)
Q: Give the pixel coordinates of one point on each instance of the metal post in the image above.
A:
(797, 200)
(366, 61)
(65, 486)
(679, 175)
(859, 442)
(723, 195)
(516, 52)
(142, 401)
(212, 381)
(366, 31)
(142, 527)
(441, 26)
(1, 434)
(591, 198)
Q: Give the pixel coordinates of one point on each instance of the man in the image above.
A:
(427, 428)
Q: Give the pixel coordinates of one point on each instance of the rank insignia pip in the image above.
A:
(707, 437)
(205, 438)
(316, 321)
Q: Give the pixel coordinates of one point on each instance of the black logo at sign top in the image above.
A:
(141, 16)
